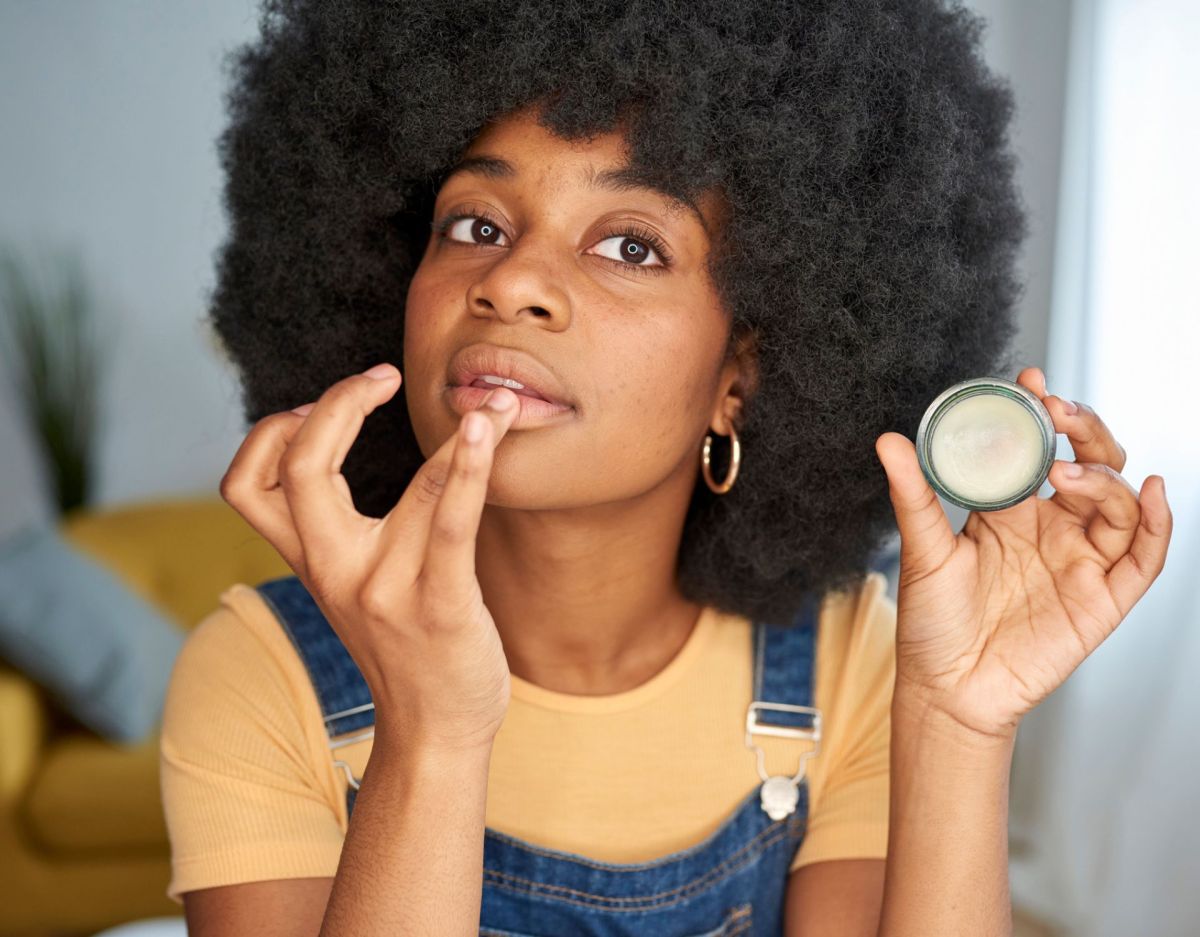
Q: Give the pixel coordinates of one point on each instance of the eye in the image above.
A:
(471, 229)
(634, 244)
(630, 250)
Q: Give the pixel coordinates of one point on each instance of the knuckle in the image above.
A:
(267, 424)
(429, 483)
(355, 392)
(450, 528)
(296, 463)
(373, 601)
(339, 396)
(1110, 477)
(345, 389)
(233, 487)
(463, 467)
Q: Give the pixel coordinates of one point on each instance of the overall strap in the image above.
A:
(342, 693)
(783, 675)
(783, 660)
(784, 656)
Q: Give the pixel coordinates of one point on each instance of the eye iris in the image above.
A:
(632, 250)
(484, 231)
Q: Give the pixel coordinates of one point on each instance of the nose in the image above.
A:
(521, 283)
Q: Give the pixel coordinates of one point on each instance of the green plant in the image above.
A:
(54, 357)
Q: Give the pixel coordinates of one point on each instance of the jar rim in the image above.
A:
(978, 386)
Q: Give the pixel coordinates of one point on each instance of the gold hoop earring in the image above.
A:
(735, 458)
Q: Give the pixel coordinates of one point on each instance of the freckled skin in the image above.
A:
(578, 539)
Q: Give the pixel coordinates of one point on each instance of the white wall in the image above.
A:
(110, 113)
(1026, 41)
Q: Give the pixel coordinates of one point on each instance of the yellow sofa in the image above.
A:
(83, 844)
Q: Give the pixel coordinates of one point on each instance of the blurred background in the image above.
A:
(118, 417)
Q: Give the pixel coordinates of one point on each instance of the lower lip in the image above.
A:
(533, 410)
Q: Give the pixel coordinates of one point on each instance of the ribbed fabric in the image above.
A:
(250, 791)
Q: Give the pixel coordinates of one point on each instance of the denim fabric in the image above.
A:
(733, 882)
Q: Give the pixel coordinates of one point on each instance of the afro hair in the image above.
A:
(868, 242)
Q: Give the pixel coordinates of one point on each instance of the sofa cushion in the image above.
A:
(94, 796)
(77, 629)
(177, 553)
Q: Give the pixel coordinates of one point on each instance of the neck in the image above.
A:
(586, 599)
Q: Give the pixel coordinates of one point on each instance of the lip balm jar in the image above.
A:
(986, 444)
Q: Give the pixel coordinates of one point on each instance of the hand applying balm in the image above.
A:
(986, 444)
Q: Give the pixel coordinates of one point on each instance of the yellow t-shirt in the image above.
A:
(251, 792)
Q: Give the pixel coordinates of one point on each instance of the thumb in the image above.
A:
(926, 539)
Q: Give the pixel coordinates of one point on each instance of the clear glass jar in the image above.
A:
(986, 444)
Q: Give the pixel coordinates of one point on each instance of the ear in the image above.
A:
(739, 381)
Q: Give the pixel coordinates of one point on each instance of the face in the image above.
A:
(600, 291)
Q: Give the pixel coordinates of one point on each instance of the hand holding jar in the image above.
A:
(993, 619)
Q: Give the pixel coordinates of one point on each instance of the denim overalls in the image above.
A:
(730, 883)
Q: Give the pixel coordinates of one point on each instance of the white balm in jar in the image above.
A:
(986, 444)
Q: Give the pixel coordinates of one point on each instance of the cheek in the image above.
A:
(426, 354)
(420, 313)
(654, 395)
(644, 380)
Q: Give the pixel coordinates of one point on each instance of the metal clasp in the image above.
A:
(754, 727)
(342, 742)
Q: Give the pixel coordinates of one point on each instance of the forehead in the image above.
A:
(516, 148)
(522, 140)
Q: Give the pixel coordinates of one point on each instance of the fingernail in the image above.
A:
(501, 402)
(1069, 406)
(1072, 470)
(381, 372)
(303, 409)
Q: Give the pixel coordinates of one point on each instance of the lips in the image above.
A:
(469, 365)
(522, 391)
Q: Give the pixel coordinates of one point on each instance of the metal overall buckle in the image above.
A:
(780, 793)
(342, 742)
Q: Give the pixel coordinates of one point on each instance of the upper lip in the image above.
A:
(476, 360)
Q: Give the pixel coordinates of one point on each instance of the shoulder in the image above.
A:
(868, 603)
(238, 680)
(238, 688)
(855, 676)
(243, 756)
(237, 659)
(856, 635)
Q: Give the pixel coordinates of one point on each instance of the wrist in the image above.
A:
(418, 752)
(916, 713)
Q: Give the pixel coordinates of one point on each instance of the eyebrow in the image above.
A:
(622, 179)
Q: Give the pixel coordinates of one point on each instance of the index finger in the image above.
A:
(403, 533)
(450, 549)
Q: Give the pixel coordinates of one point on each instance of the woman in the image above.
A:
(789, 226)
